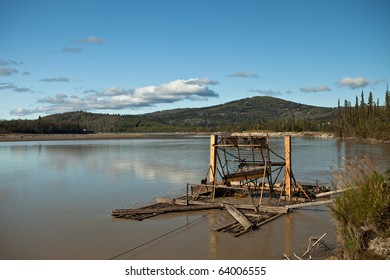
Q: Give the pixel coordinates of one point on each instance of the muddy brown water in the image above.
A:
(56, 198)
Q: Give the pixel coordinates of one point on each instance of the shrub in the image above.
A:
(362, 212)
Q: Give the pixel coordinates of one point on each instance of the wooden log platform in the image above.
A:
(160, 208)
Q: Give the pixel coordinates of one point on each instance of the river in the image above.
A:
(56, 198)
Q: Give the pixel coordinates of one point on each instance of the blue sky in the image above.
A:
(134, 57)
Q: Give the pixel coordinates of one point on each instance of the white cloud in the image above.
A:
(58, 79)
(353, 83)
(21, 112)
(118, 98)
(321, 88)
(243, 74)
(204, 81)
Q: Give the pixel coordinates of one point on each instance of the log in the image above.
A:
(239, 217)
(308, 204)
(269, 219)
(314, 244)
(225, 226)
(177, 201)
(295, 255)
(330, 193)
(170, 208)
(268, 209)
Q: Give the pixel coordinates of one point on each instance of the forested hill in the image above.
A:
(260, 112)
(244, 111)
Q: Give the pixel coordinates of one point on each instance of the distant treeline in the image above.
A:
(364, 120)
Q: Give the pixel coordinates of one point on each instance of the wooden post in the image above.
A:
(213, 163)
(287, 176)
(213, 160)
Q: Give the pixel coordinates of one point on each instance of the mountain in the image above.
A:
(260, 112)
(244, 111)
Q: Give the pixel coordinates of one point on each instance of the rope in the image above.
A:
(161, 236)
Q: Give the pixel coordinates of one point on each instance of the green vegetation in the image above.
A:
(250, 114)
(364, 120)
(362, 213)
(254, 113)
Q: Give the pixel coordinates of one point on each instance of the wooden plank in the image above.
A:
(330, 193)
(177, 201)
(239, 217)
(308, 204)
(225, 226)
(245, 175)
(169, 208)
(269, 219)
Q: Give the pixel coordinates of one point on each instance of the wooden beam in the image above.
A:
(287, 176)
(308, 204)
(331, 192)
(213, 159)
(245, 175)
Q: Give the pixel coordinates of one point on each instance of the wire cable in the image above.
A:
(163, 235)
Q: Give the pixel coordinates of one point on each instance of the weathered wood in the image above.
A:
(308, 204)
(225, 226)
(233, 227)
(295, 255)
(244, 175)
(330, 193)
(183, 201)
(261, 208)
(267, 209)
(314, 244)
(239, 216)
(269, 219)
(287, 176)
(213, 159)
(169, 208)
(273, 209)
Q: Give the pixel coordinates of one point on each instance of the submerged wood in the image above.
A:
(314, 244)
(225, 226)
(269, 219)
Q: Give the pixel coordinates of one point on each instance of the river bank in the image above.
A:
(152, 135)
(90, 136)
(16, 137)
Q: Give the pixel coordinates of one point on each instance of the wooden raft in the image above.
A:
(160, 208)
